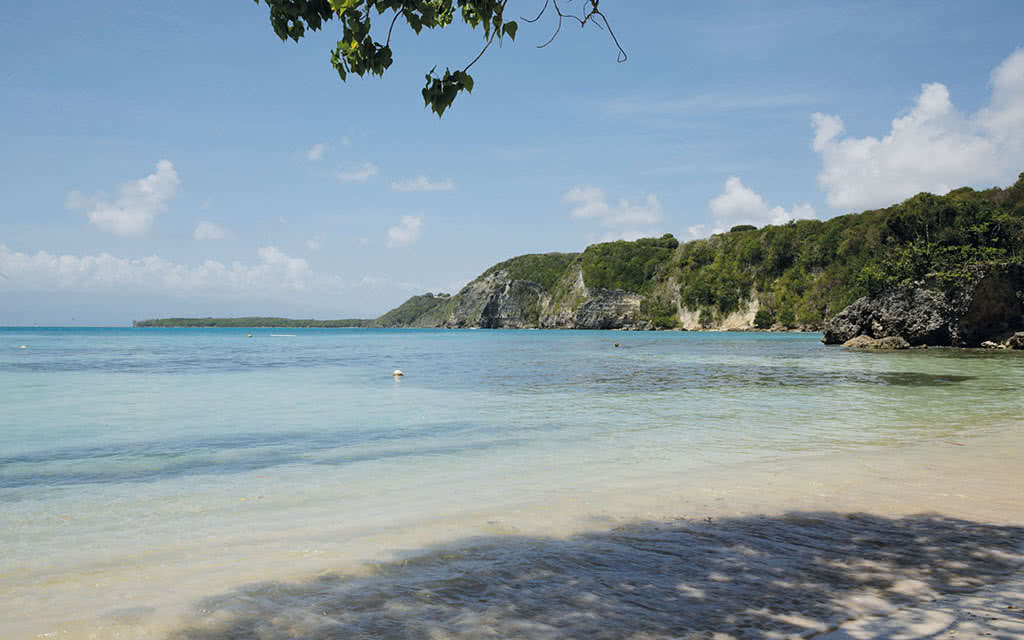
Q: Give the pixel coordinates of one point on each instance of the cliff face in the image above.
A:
(497, 300)
(986, 305)
(850, 272)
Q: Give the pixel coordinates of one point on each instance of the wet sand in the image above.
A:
(914, 541)
(911, 540)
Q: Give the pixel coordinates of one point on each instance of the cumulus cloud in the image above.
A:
(206, 230)
(422, 183)
(591, 202)
(274, 273)
(316, 152)
(696, 232)
(316, 241)
(362, 173)
(739, 204)
(406, 232)
(934, 147)
(629, 236)
(137, 204)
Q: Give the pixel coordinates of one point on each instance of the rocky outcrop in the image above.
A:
(606, 309)
(1016, 341)
(986, 304)
(918, 315)
(890, 343)
(514, 306)
(497, 300)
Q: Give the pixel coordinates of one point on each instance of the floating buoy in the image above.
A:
(397, 373)
(616, 344)
(24, 346)
(250, 335)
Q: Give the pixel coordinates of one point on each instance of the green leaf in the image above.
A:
(510, 29)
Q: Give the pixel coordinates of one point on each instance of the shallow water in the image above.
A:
(143, 469)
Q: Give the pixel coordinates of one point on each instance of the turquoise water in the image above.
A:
(144, 467)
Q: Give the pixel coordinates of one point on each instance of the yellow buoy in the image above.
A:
(397, 373)
(250, 335)
(24, 346)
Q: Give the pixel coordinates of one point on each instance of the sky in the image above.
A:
(177, 159)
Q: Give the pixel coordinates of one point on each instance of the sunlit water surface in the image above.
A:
(141, 469)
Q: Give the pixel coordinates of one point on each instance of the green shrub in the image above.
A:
(764, 319)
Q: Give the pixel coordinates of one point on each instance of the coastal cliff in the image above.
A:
(938, 270)
(985, 306)
(932, 270)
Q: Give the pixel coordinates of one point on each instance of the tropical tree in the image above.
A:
(367, 27)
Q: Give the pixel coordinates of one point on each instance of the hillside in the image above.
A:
(793, 276)
(427, 310)
(796, 275)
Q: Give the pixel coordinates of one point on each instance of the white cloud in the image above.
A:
(421, 183)
(209, 231)
(316, 152)
(738, 204)
(592, 202)
(136, 205)
(629, 236)
(275, 273)
(406, 232)
(360, 174)
(316, 241)
(696, 232)
(934, 147)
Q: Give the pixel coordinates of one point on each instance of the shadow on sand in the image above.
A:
(801, 574)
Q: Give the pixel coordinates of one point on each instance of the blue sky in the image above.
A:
(178, 159)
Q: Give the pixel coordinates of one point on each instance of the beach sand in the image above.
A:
(914, 541)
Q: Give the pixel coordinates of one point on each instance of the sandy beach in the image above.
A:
(924, 541)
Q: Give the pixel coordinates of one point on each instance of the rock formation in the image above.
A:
(496, 300)
(987, 304)
(890, 343)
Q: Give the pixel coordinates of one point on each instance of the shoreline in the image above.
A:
(969, 485)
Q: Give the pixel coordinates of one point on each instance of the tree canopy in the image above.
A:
(361, 49)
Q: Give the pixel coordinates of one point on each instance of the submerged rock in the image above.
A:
(889, 343)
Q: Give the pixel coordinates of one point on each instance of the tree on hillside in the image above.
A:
(360, 52)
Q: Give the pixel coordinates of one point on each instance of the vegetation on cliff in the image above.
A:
(806, 271)
(427, 310)
(542, 268)
(629, 266)
(796, 275)
(799, 274)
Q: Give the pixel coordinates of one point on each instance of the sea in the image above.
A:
(220, 483)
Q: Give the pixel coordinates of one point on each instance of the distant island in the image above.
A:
(963, 253)
(253, 322)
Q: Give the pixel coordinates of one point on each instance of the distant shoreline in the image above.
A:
(288, 323)
(253, 322)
